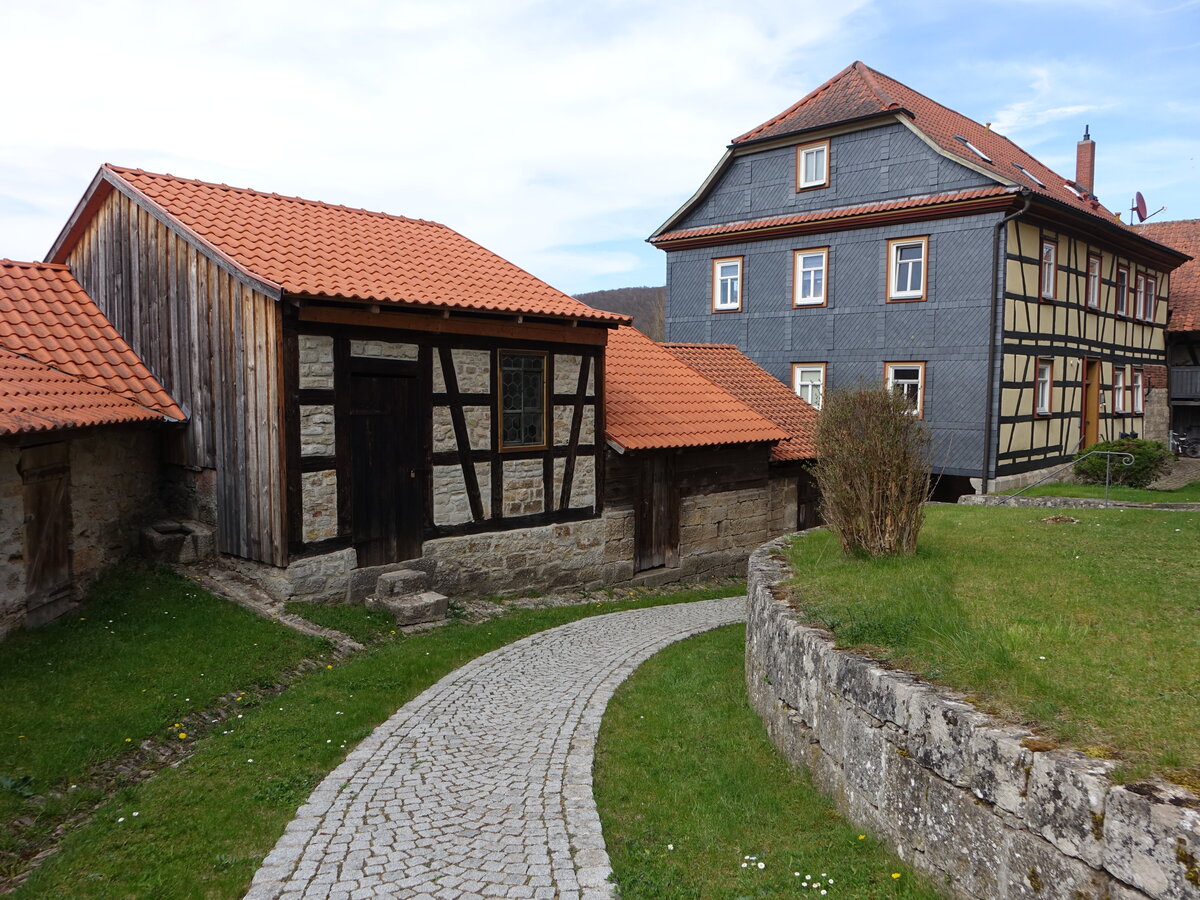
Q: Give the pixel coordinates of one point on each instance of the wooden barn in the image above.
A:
(81, 423)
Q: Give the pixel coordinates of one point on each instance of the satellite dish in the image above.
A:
(1139, 206)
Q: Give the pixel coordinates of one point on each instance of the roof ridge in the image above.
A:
(826, 85)
(699, 345)
(122, 170)
(33, 264)
(868, 75)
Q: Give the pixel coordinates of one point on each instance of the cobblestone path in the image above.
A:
(482, 785)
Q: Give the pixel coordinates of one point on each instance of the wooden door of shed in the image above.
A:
(388, 477)
(656, 523)
(46, 485)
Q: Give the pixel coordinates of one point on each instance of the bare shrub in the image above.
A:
(873, 470)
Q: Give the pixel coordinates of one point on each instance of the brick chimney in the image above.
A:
(1085, 162)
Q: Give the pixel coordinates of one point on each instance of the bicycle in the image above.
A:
(1182, 444)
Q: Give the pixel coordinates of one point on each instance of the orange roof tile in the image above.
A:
(46, 316)
(832, 214)
(319, 250)
(654, 400)
(1184, 298)
(36, 397)
(859, 91)
(729, 368)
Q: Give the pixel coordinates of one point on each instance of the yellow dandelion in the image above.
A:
(862, 837)
(329, 667)
(183, 734)
(895, 874)
(128, 740)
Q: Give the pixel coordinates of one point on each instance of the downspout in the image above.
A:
(994, 389)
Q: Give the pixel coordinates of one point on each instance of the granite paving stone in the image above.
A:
(482, 785)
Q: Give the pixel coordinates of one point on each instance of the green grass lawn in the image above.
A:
(1087, 631)
(201, 829)
(1187, 494)
(693, 797)
(362, 624)
(148, 650)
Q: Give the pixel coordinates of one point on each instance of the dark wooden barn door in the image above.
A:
(656, 523)
(388, 476)
(46, 478)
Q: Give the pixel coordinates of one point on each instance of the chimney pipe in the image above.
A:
(1085, 162)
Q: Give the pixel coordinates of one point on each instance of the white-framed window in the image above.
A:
(907, 268)
(1045, 387)
(1137, 388)
(908, 380)
(1093, 282)
(727, 284)
(812, 165)
(1122, 308)
(1147, 291)
(808, 381)
(810, 276)
(1120, 394)
(1049, 269)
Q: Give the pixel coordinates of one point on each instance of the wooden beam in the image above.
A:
(450, 377)
(529, 331)
(564, 500)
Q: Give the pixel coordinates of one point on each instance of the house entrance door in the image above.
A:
(1091, 402)
(388, 481)
(656, 521)
(45, 477)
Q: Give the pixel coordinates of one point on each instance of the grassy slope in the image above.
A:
(684, 761)
(1088, 630)
(203, 828)
(1187, 494)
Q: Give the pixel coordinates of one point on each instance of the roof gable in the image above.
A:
(319, 250)
(46, 316)
(859, 91)
(654, 400)
(1184, 299)
(728, 367)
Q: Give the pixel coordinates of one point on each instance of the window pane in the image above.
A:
(522, 388)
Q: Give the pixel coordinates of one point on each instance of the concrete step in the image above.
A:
(413, 609)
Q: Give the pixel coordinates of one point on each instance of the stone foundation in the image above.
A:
(957, 794)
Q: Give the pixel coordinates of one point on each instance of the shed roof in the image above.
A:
(654, 400)
(47, 318)
(320, 250)
(729, 368)
(37, 397)
(1184, 299)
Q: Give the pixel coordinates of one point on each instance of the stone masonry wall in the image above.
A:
(115, 482)
(956, 793)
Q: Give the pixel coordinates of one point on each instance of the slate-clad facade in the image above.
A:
(795, 247)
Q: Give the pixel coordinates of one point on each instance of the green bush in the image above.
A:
(873, 470)
(1150, 459)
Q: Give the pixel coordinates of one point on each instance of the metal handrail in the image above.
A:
(1126, 460)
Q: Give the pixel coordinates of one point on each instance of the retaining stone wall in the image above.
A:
(956, 793)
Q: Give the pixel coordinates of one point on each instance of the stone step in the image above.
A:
(414, 609)
(401, 582)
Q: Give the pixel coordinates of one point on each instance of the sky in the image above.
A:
(557, 134)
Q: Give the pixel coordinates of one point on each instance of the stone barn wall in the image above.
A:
(957, 794)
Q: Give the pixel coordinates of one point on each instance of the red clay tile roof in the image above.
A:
(844, 212)
(1184, 298)
(859, 91)
(36, 397)
(46, 316)
(729, 368)
(319, 250)
(654, 400)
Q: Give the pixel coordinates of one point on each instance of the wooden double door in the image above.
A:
(388, 472)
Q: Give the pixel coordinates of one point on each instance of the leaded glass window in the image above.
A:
(522, 400)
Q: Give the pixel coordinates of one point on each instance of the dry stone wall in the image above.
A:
(959, 795)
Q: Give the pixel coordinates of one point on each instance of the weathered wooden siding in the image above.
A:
(215, 343)
(1068, 331)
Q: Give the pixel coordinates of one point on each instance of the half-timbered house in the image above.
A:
(81, 421)
(364, 390)
(869, 234)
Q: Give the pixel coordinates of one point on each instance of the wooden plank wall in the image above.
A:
(215, 343)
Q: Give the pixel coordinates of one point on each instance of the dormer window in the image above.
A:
(812, 165)
(1024, 171)
(1074, 190)
(973, 148)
